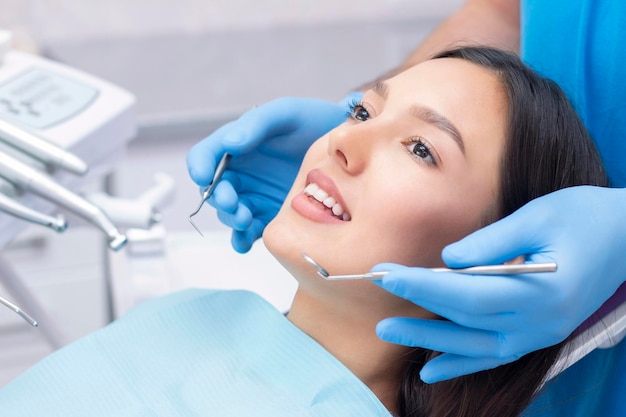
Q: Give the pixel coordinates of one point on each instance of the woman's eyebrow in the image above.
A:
(381, 89)
(427, 115)
(439, 121)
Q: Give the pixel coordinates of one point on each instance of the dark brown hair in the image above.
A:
(547, 148)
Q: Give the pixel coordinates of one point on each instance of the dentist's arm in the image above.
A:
(497, 319)
(495, 23)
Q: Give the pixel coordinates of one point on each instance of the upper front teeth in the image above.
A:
(322, 196)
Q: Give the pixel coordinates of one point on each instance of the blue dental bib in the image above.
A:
(192, 353)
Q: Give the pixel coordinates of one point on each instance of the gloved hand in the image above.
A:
(497, 319)
(267, 144)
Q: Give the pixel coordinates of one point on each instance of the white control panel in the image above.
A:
(39, 98)
(78, 112)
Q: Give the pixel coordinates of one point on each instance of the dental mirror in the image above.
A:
(505, 269)
(320, 271)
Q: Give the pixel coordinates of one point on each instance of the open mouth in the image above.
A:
(325, 200)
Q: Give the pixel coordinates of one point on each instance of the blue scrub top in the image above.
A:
(581, 44)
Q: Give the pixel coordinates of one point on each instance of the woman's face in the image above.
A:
(413, 169)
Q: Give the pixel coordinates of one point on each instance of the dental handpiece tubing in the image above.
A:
(32, 180)
(41, 149)
(12, 207)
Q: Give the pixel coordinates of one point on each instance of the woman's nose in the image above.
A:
(350, 147)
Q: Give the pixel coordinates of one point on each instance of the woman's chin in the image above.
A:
(282, 244)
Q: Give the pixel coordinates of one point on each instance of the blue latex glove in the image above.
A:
(267, 144)
(497, 319)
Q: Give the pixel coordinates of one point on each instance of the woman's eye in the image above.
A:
(421, 150)
(359, 113)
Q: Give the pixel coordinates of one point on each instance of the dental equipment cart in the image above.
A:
(61, 131)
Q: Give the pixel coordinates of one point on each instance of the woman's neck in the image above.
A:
(346, 328)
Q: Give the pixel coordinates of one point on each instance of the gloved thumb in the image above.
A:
(494, 244)
(203, 157)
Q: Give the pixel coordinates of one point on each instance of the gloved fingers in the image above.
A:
(239, 136)
(274, 118)
(498, 322)
(497, 243)
(224, 197)
(295, 126)
(445, 293)
(242, 241)
(203, 157)
(239, 220)
(448, 366)
(439, 335)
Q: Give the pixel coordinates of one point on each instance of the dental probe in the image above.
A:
(508, 269)
(19, 311)
(41, 149)
(219, 171)
(21, 175)
(12, 207)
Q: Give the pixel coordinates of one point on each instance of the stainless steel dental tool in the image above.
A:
(27, 178)
(12, 207)
(19, 311)
(219, 171)
(40, 149)
(474, 270)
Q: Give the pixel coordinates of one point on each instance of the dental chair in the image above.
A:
(61, 132)
(588, 379)
(604, 329)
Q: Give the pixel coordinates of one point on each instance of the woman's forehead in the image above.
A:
(444, 72)
(466, 93)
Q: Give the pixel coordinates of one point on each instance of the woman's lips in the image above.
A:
(326, 200)
(320, 200)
